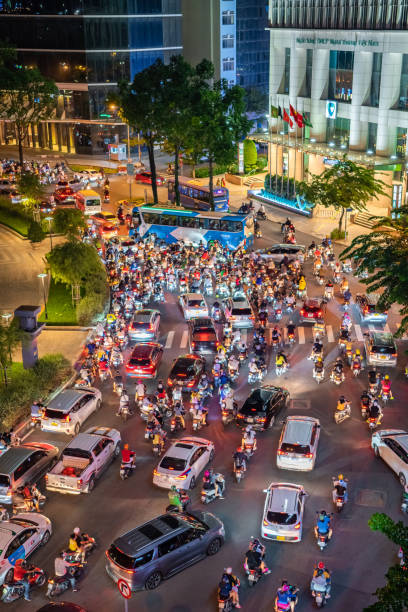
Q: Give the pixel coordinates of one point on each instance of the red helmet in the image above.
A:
(321, 565)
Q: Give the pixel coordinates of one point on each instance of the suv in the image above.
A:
(261, 408)
(162, 547)
(392, 446)
(380, 348)
(367, 305)
(202, 336)
(283, 512)
(277, 252)
(311, 311)
(183, 462)
(238, 311)
(298, 443)
(69, 409)
(145, 325)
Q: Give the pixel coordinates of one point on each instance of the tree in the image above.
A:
(26, 96)
(29, 186)
(69, 222)
(35, 232)
(393, 597)
(75, 262)
(383, 253)
(256, 100)
(344, 185)
(10, 337)
(219, 123)
(250, 155)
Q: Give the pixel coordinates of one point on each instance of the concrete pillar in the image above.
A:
(389, 95)
(362, 71)
(277, 70)
(320, 79)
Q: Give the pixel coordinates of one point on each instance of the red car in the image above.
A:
(63, 193)
(107, 231)
(146, 177)
(144, 360)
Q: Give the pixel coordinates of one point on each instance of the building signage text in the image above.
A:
(340, 42)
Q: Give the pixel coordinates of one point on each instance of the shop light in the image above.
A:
(313, 140)
(370, 152)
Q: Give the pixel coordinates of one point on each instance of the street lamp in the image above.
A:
(49, 219)
(43, 276)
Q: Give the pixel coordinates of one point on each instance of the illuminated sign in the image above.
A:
(331, 109)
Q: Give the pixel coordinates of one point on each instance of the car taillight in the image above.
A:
(394, 354)
(193, 344)
(79, 483)
(261, 419)
(265, 522)
(150, 327)
(46, 478)
(190, 384)
(302, 312)
(181, 477)
(297, 526)
(67, 418)
(225, 413)
(309, 455)
(240, 416)
(169, 382)
(217, 344)
(319, 314)
(251, 317)
(281, 452)
(232, 318)
(155, 473)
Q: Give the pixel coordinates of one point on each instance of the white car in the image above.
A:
(183, 462)
(67, 411)
(193, 305)
(298, 443)
(392, 446)
(238, 311)
(19, 537)
(91, 176)
(283, 512)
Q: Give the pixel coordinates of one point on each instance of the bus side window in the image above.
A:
(235, 226)
(213, 224)
(224, 225)
(173, 220)
(164, 219)
(204, 196)
(147, 217)
(202, 223)
(155, 218)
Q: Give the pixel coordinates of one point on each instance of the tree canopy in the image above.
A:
(75, 262)
(29, 186)
(69, 222)
(383, 253)
(344, 185)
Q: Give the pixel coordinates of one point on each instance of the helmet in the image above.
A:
(357, 351)
(319, 360)
(228, 570)
(248, 428)
(342, 398)
(126, 446)
(77, 531)
(239, 449)
(320, 565)
(322, 515)
(173, 488)
(284, 587)
(206, 474)
(386, 377)
(340, 477)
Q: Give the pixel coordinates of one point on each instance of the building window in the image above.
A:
(374, 94)
(228, 64)
(284, 87)
(372, 137)
(396, 199)
(341, 75)
(228, 41)
(227, 17)
(305, 90)
(401, 148)
(403, 99)
(338, 132)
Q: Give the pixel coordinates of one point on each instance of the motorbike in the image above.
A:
(208, 493)
(328, 293)
(227, 416)
(338, 500)
(176, 424)
(291, 338)
(261, 215)
(126, 468)
(365, 405)
(342, 415)
(356, 368)
(60, 584)
(385, 395)
(318, 375)
(277, 314)
(319, 593)
(197, 423)
(238, 472)
(249, 449)
(185, 501)
(337, 377)
(254, 377)
(125, 412)
(75, 556)
(15, 590)
(322, 540)
(373, 422)
(225, 603)
(280, 370)
(149, 430)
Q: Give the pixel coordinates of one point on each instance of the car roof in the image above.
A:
(241, 303)
(194, 296)
(7, 531)
(131, 542)
(143, 349)
(84, 441)
(190, 356)
(14, 457)
(181, 450)
(298, 429)
(312, 301)
(283, 498)
(144, 315)
(66, 399)
(293, 247)
(401, 438)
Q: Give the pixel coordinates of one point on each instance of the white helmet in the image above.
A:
(77, 531)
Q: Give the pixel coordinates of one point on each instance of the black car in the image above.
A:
(203, 336)
(262, 407)
(186, 371)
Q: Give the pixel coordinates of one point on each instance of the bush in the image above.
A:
(337, 234)
(250, 155)
(261, 163)
(204, 172)
(89, 307)
(35, 232)
(14, 216)
(25, 386)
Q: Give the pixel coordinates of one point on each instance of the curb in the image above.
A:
(50, 327)
(13, 232)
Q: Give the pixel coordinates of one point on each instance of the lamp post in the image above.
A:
(49, 219)
(43, 276)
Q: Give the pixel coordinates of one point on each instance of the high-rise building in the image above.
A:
(343, 64)
(252, 44)
(87, 46)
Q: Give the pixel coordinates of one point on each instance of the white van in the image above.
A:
(88, 201)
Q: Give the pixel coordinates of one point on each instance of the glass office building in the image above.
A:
(87, 46)
(252, 44)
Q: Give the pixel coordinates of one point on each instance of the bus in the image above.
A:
(88, 201)
(198, 228)
(197, 197)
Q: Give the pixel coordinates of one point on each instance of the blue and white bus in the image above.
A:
(197, 197)
(174, 224)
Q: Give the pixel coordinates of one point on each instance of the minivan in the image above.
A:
(22, 465)
(298, 443)
(380, 348)
(162, 547)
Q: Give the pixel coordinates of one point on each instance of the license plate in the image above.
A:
(280, 538)
(54, 424)
(383, 356)
(310, 315)
(250, 420)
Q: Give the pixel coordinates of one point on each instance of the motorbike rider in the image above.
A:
(365, 400)
(233, 365)
(318, 367)
(79, 542)
(342, 403)
(338, 369)
(228, 587)
(123, 402)
(243, 350)
(356, 358)
(249, 438)
(117, 381)
(322, 577)
(36, 410)
(212, 480)
(346, 321)
(328, 290)
(291, 328)
(375, 411)
(178, 412)
(85, 374)
(276, 335)
(159, 439)
(253, 368)
(281, 361)
(386, 386)
(373, 377)
(302, 284)
(286, 594)
(254, 560)
(128, 456)
(317, 349)
(61, 566)
(20, 575)
(323, 525)
(175, 498)
(239, 459)
(340, 488)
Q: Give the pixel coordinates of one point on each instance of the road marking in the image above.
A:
(270, 335)
(301, 334)
(169, 341)
(329, 332)
(359, 333)
(285, 335)
(184, 339)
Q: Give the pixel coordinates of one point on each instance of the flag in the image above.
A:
(299, 120)
(307, 122)
(287, 118)
(274, 112)
(279, 112)
(292, 112)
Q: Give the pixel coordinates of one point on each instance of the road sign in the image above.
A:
(130, 169)
(124, 589)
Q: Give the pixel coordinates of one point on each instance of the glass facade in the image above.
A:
(305, 90)
(338, 131)
(252, 44)
(403, 97)
(374, 94)
(284, 87)
(401, 146)
(371, 136)
(341, 75)
(340, 14)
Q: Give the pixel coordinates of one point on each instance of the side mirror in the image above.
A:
(265, 490)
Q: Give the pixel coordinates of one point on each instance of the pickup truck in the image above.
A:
(84, 460)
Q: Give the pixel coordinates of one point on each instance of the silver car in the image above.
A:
(145, 325)
(277, 252)
(380, 348)
(283, 512)
(298, 443)
(238, 311)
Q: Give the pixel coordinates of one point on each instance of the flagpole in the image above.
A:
(287, 184)
(282, 145)
(276, 152)
(294, 176)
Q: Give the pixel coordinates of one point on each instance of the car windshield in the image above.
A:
(299, 449)
(256, 401)
(173, 463)
(141, 324)
(139, 361)
(4, 480)
(241, 312)
(281, 518)
(183, 366)
(196, 303)
(312, 306)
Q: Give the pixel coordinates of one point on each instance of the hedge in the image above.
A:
(14, 216)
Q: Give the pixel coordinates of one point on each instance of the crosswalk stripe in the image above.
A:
(301, 334)
(285, 335)
(169, 341)
(329, 332)
(184, 339)
(359, 333)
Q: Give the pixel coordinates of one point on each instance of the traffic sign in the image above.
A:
(124, 589)
(130, 169)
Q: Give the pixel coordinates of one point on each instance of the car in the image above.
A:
(67, 203)
(144, 360)
(186, 371)
(146, 177)
(203, 336)
(183, 462)
(238, 311)
(64, 193)
(193, 305)
(6, 184)
(144, 325)
(392, 446)
(163, 546)
(61, 184)
(20, 536)
(15, 197)
(298, 443)
(277, 252)
(262, 407)
(107, 231)
(69, 409)
(103, 217)
(91, 175)
(369, 312)
(311, 311)
(24, 464)
(46, 207)
(380, 348)
(283, 512)
(76, 184)
(125, 243)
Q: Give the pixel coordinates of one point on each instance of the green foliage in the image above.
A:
(256, 100)
(88, 307)
(250, 155)
(205, 172)
(337, 234)
(345, 185)
(29, 186)
(80, 168)
(25, 386)
(14, 216)
(35, 232)
(393, 597)
(69, 222)
(383, 253)
(75, 262)
(262, 162)
(11, 336)
(59, 306)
